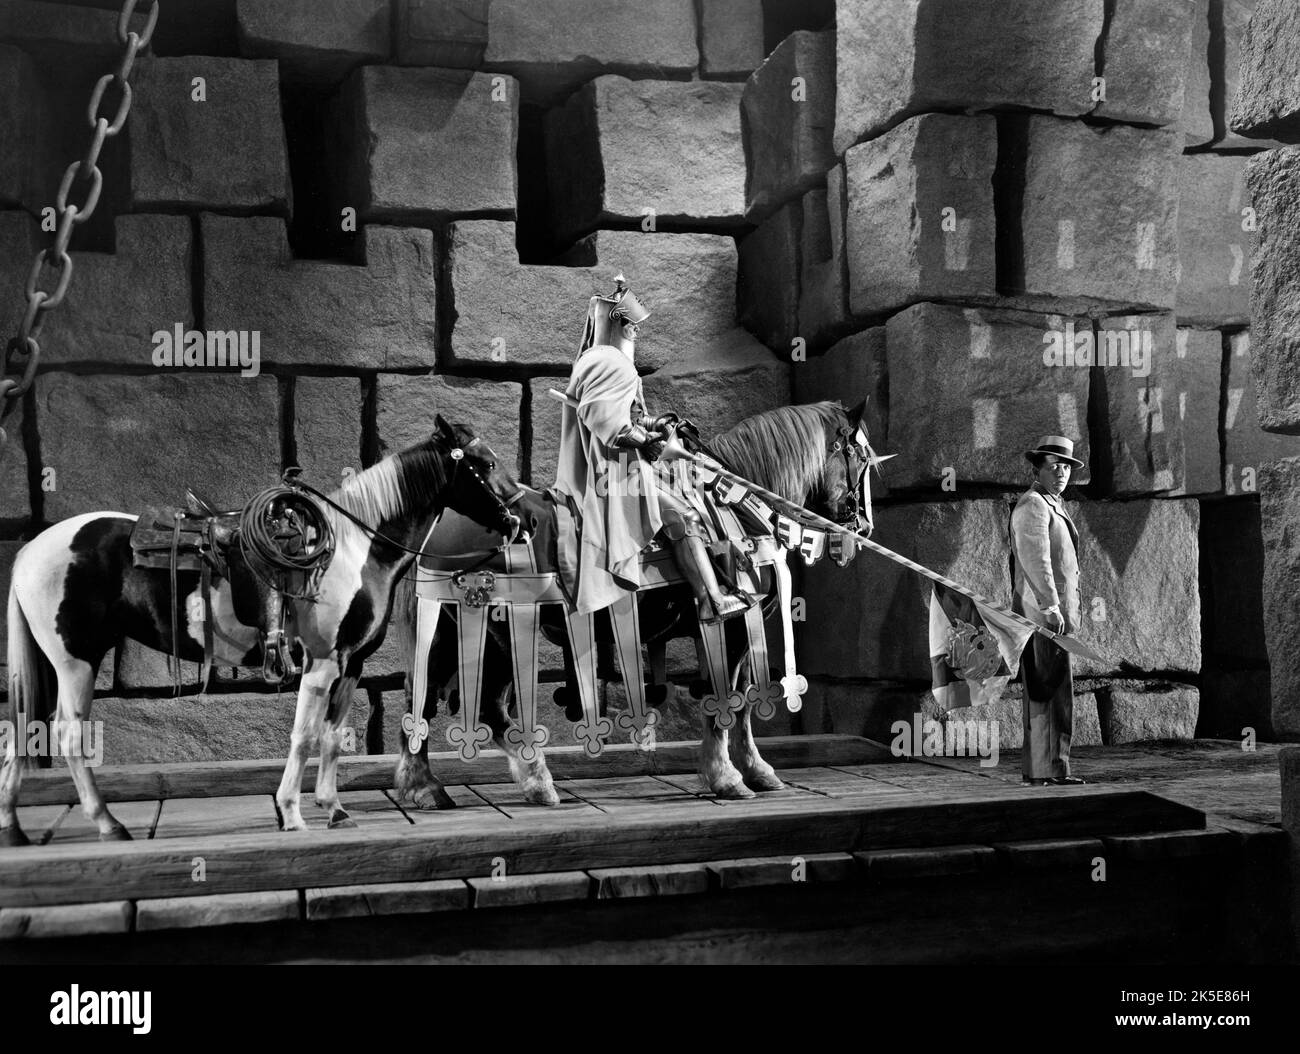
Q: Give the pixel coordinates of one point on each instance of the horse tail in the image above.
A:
(31, 676)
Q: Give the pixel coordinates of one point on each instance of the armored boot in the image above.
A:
(693, 558)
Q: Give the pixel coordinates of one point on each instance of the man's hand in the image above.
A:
(654, 446)
(1053, 621)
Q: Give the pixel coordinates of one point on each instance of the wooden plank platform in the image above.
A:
(620, 823)
(637, 835)
(375, 772)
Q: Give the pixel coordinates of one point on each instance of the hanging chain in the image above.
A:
(23, 352)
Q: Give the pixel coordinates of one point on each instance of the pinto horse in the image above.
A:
(816, 455)
(75, 595)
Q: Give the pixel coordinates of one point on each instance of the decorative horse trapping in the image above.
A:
(517, 592)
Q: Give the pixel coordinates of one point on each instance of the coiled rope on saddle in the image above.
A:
(286, 540)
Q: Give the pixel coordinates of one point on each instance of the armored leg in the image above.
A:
(685, 532)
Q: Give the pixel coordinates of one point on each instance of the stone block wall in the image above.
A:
(1039, 217)
(408, 204)
(410, 201)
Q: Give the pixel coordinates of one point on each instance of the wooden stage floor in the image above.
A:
(630, 825)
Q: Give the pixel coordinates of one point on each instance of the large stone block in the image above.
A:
(1247, 447)
(870, 619)
(1145, 60)
(15, 498)
(117, 301)
(896, 58)
(524, 315)
(208, 728)
(63, 30)
(920, 213)
(1216, 237)
(448, 33)
(1008, 713)
(622, 150)
(1274, 181)
(226, 152)
(1197, 121)
(315, 39)
(1100, 213)
(327, 414)
(719, 384)
(406, 406)
(315, 313)
(21, 141)
(824, 265)
(789, 115)
(1133, 712)
(552, 46)
(1197, 372)
(1138, 567)
(1280, 522)
(769, 278)
(1136, 381)
(1236, 18)
(849, 372)
(121, 443)
(870, 709)
(731, 37)
(971, 390)
(716, 386)
(1266, 103)
(427, 144)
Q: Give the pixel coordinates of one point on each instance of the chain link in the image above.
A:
(23, 351)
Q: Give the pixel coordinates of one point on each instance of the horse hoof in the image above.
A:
(13, 837)
(427, 799)
(734, 792)
(542, 795)
(116, 834)
(764, 781)
(341, 819)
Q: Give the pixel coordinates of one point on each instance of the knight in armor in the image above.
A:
(608, 445)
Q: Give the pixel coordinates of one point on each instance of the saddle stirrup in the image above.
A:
(715, 604)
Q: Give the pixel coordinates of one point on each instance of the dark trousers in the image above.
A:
(1048, 709)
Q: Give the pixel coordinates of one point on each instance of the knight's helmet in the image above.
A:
(604, 313)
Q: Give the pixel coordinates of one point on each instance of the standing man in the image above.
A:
(1045, 555)
(607, 446)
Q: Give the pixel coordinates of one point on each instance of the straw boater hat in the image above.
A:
(604, 312)
(1060, 446)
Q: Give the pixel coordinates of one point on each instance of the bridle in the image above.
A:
(858, 459)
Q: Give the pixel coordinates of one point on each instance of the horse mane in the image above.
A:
(783, 449)
(410, 479)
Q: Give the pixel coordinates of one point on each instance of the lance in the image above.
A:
(675, 450)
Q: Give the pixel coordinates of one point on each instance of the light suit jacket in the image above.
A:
(1045, 551)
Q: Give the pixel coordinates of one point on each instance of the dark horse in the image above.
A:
(75, 595)
(815, 456)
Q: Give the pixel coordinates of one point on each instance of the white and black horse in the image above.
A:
(816, 455)
(75, 595)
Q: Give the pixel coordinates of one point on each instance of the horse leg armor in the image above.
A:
(685, 532)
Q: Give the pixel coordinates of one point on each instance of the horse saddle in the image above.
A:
(203, 538)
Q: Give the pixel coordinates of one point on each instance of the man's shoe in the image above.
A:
(1034, 783)
(1067, 781)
